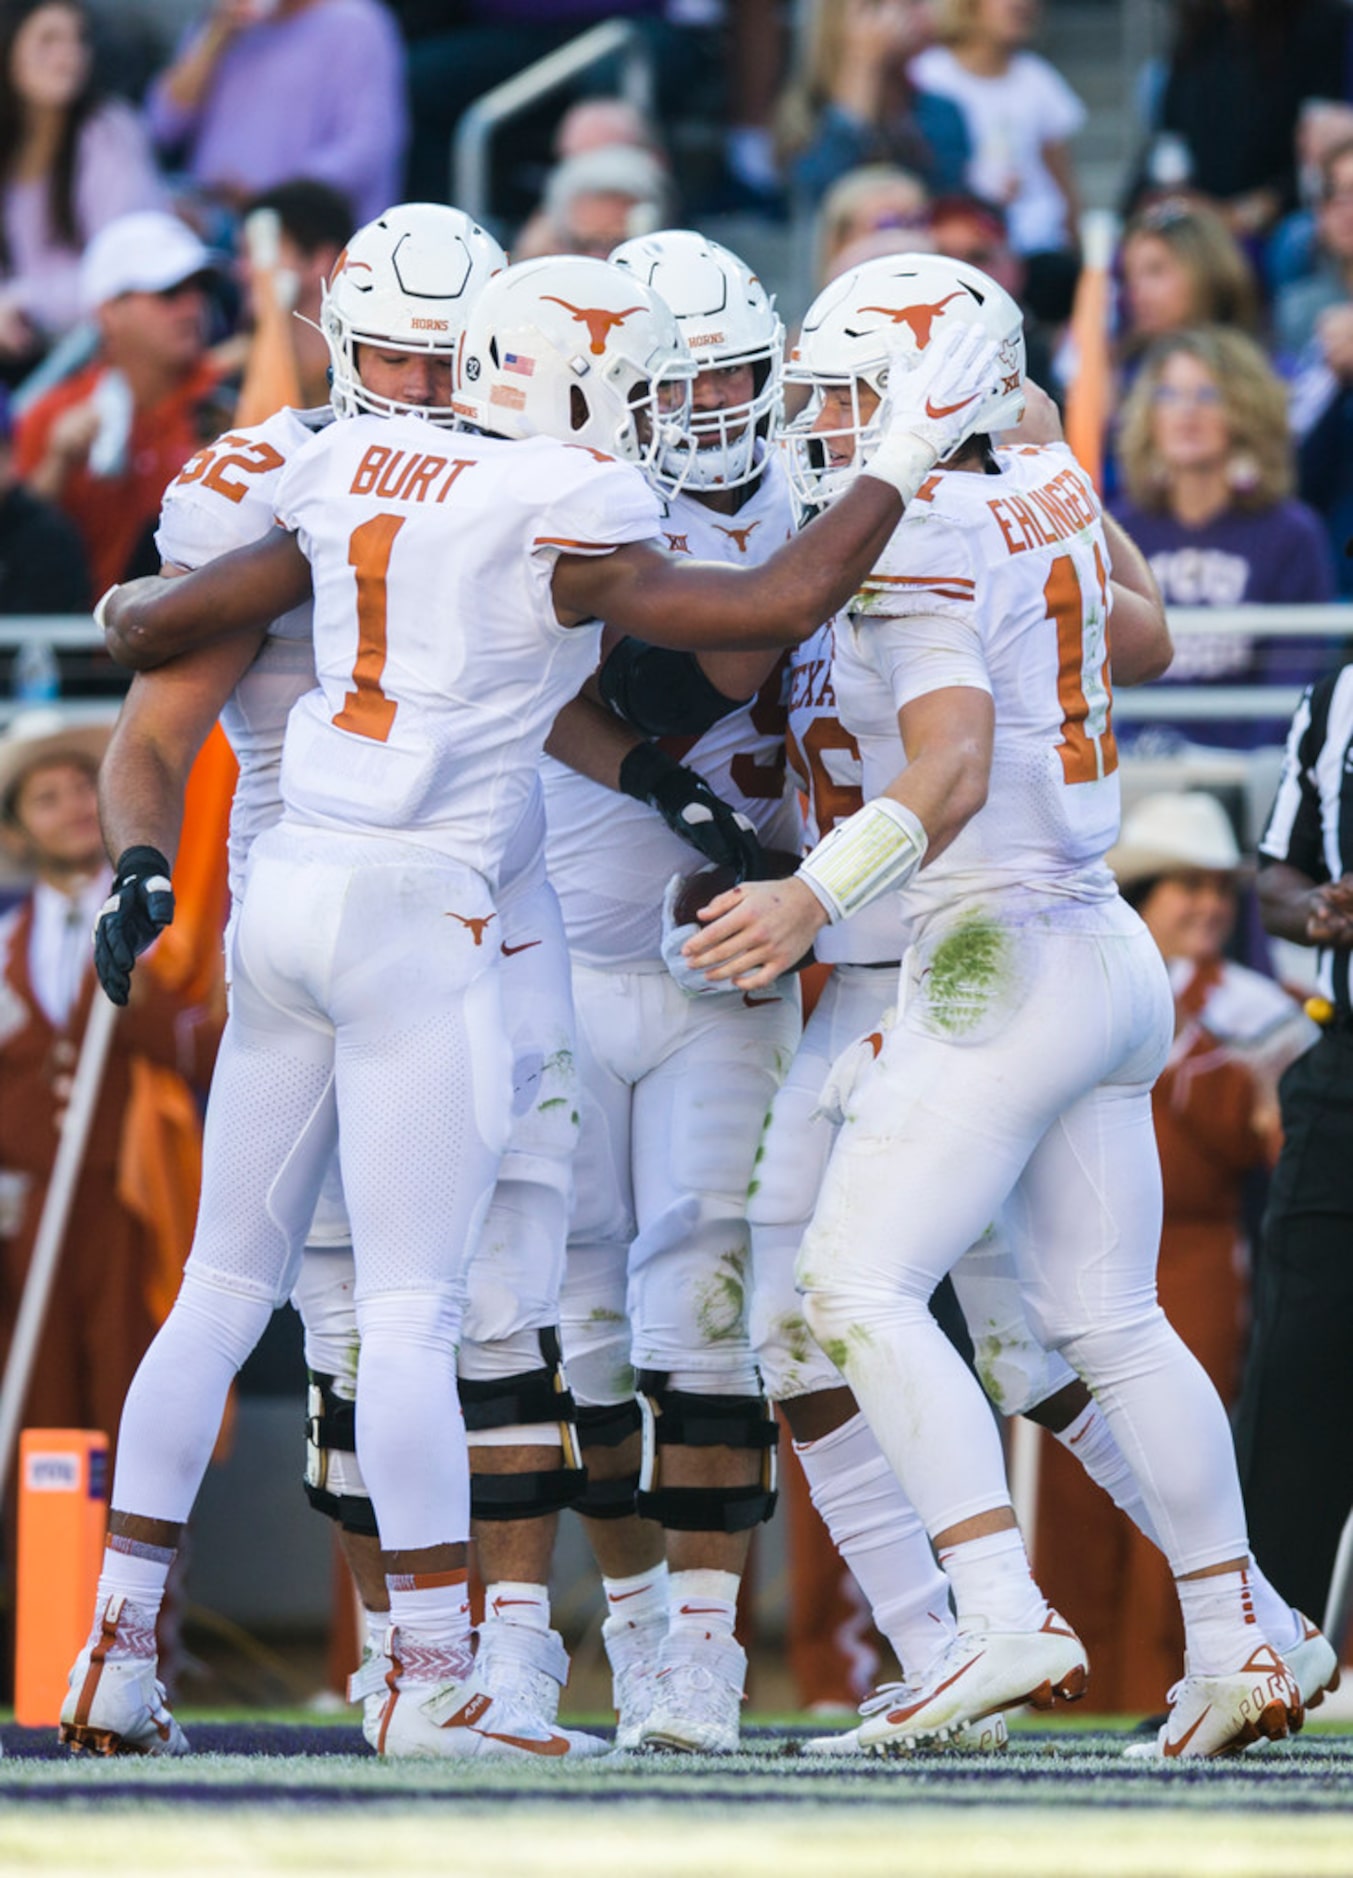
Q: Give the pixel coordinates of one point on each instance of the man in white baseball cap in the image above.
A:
(105, 442)
(147, 252)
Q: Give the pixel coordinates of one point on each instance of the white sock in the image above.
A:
(431, 1613)
(1090, 1439)
(1221, 1629)
(515, 1602)
(1280, 1624)
(136, 1573)
(703, 1600)
(879, 1534)
(634, 1599)
(993, 1586)
(377, 1629)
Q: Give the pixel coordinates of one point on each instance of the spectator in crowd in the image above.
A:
(968, 229)
(596, 123)
(316, 222)
(1301, 309)
(1239, 72)
(258, 95)
(1291, 253)
(101, 1317)
(876, 198)
(853, 101)
(1215, 1112)
(596, 200)
(1021, 116)
(105, 442)
(70, 162)
(1181, 267)
(1207, 466)
(43, 568)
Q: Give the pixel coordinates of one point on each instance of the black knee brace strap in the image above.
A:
(535, 1397)
(608, 1426)
(331, 1428)
(680, 1418)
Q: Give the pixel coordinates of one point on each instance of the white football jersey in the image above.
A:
(610, 857)
(1002, 582)
(223, 498)
(440, 660)
(824, 761)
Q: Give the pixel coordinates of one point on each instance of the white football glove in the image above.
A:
(692, 982)
(932, 407)
(856, 1060)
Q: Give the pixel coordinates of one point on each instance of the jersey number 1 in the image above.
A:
(366, 709)
(1087, 755)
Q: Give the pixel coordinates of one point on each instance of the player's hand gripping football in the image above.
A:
(691, 809)
(755, 932)
(933, 406)
(139, 908)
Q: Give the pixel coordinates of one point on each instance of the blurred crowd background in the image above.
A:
(1165, 185)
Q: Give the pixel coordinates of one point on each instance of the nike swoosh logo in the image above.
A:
(905, 1714)
(947, 410)
(506, 1604)
(525, 946)
(618, 1597)
(752, 1002)
(553, 1748)
(1172, 1748)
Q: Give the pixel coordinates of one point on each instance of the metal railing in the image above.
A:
(612, 39)
(1157, 703)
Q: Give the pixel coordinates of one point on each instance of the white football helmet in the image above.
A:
(727, 319)
(576, 349)
(859, 326)
(405, 281)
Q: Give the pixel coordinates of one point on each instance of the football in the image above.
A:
(707, 883)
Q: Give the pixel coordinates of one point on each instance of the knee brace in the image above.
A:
(534, 1408)
(680, 1418)
(608, 1426)
(333, 1479)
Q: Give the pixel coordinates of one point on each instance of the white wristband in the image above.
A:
(877, 848)
(903, 461)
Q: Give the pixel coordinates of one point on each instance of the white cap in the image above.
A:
(141, 253)
(1167, 834)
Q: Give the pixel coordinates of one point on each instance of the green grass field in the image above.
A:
(288, 1796)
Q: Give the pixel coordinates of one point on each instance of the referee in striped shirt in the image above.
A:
(1294, 1426)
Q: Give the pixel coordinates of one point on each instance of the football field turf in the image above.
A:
(276, 1797)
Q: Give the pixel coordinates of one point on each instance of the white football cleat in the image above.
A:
(370, 1684)
(114, 1705)
(697, 1695)
(980, 1674)
(987, 1736)
(1211, 1716)
(1313, 1663)
(453, 1720)
(528, 1667)
(632, 1650)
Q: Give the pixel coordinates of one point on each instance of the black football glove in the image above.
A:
(140, 906)
(691, 809)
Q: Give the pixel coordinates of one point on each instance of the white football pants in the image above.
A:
(1028, 1080)
(360, 1007)
(675, 1090)
(852, 1015)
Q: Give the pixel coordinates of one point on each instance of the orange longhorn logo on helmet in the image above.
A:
(921, 319)
(599, 320)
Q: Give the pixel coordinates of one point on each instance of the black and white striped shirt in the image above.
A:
(1310, 826)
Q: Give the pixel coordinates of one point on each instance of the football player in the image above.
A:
(1032, 1022)
(675, 1086)
(458, 581)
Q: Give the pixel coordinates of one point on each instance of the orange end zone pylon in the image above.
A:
(63, 1511)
